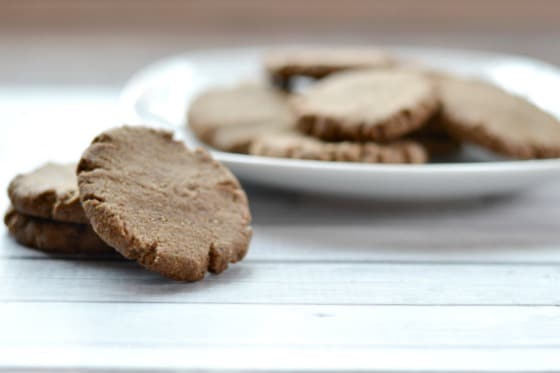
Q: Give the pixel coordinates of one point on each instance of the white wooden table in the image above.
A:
(328, 284)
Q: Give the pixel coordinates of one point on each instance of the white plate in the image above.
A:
(159, 95)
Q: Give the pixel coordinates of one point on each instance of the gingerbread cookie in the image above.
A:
(229, 118)
(52, 236)
(299, 146)
(175, 211)
(50, 192)
(366, 105)
(485, 114)
(285, 65)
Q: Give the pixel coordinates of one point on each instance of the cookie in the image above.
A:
(480, 112)
(229, 118)
(434, 127)
(299, 146)
(52, 236)
(437, 146)
(49, 192)
(435, 139)
(284, 65)
(366, 105)
(175, 211)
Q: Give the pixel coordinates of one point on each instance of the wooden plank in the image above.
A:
(276, 359)
(359, 282)
(258, 337)
(175, 325)
(379, 243)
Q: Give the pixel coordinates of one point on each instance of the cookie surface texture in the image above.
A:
(229, 118)
(366, 105)
(50, 191)
(175, 211)
(480, 112)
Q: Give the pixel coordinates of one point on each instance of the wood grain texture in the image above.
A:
(169, 337)
(278, 282)
(287, 325)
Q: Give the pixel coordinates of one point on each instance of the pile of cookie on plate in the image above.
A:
(361, 105)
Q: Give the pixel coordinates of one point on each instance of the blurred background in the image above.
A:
(102, 42)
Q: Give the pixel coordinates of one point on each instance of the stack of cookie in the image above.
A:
(46, 212)
(365, 106)
(142, 194)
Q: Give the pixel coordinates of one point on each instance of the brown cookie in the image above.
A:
(52, 236)
(487, 115)
(284, 65)
(50, 192)
(434, 127)
(175, 211)
(229, 118)
(435, 139)
(366, 105)
(437, 146)
(299, 146)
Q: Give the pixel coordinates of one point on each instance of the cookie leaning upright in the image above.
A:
(366, 105)
(177, 212)
(229, 118)
(487, 115)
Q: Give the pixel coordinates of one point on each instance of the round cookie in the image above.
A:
(229, 118)
(485, 114)
(366, 105)
(284, 65)
(50, 192)
(175, 211)
(52, 236)
(299, 146)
